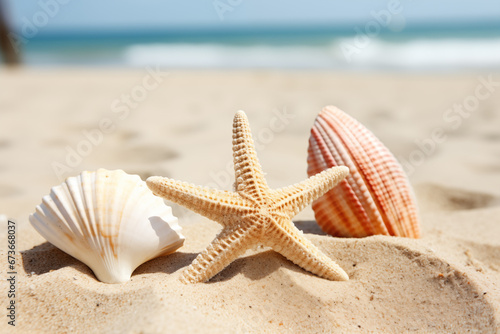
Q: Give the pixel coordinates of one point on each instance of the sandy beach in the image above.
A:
(444, 129)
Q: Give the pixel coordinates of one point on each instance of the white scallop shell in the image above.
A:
(110, 221)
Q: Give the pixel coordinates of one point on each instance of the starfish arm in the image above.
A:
(214, 204)
(224, 249)
(248, 172)
(291, 243)
(293, 199)
(254, 214)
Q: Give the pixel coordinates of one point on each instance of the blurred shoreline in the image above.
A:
(368, 49)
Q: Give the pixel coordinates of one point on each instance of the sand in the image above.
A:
(446, 282)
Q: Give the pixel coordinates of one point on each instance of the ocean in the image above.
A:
(355, 48)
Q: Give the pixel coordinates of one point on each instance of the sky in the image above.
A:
(88, 15)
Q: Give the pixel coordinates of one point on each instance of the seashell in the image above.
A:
(376, 196)
(110, 221)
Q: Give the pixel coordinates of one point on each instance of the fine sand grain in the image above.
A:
(446, 282)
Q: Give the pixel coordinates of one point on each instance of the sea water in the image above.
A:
(349, 48)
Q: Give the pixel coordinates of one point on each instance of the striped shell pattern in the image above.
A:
(376, 196)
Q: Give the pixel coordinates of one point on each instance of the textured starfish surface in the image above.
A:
(254, 214)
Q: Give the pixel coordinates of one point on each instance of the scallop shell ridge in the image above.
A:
(376, 196)
(109, 220)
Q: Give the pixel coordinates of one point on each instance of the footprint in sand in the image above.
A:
(433, 197)
(4, 144)
(143, 155)
(491, 136)
(146, 154)
(128, 136)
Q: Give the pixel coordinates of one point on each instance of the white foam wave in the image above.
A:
(227, 56)
(429, 53)
(435, 54)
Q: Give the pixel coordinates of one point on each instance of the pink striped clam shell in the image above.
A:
(376, 197)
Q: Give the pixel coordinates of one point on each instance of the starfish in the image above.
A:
(254, 214)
